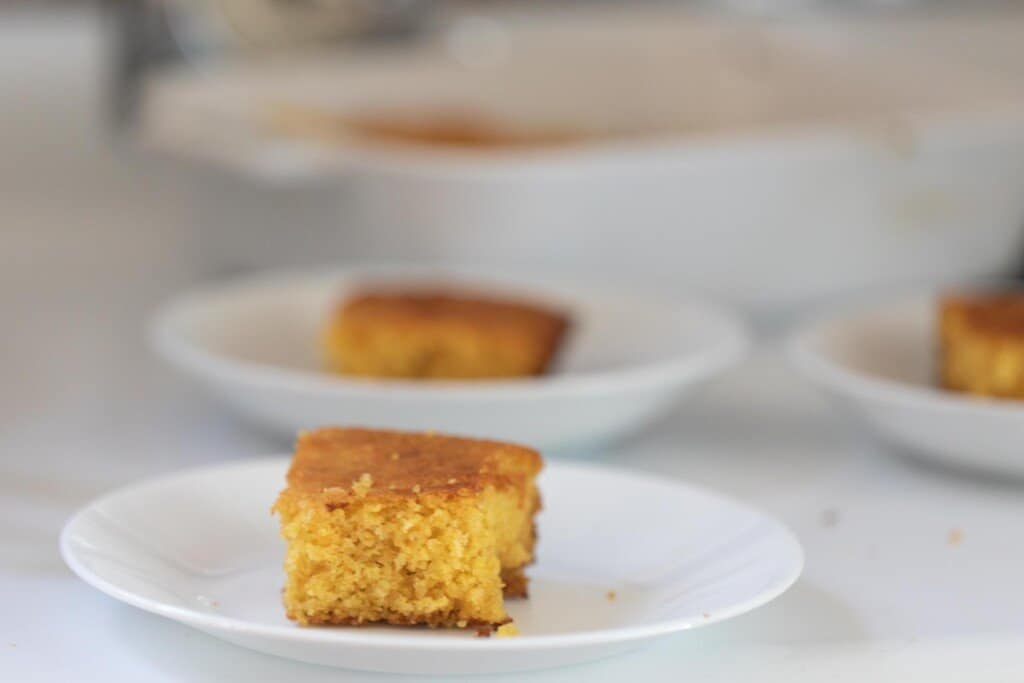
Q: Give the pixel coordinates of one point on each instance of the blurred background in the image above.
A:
(776, 155)
(772, 154)
(769, 153)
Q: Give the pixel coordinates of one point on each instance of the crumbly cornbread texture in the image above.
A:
(436, 334)
(406, 528)
(981, 344)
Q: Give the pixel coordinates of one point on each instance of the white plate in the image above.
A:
(677, 558)
(255, 343)
(880, 360)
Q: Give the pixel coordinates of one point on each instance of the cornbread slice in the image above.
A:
(435, 334)
(981, 344)
(452, 128)
(406, 528)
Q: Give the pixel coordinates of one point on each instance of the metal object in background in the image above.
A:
(148, 33)
(140, 39)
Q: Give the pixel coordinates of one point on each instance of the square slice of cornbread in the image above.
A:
(406, 528)
(424, 334)
(981, 344)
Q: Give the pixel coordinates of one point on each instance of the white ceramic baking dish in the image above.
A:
(770, 164)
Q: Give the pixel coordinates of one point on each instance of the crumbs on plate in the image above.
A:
(509, 630)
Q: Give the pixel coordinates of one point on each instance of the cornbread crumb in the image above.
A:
(362, 485)
(611, 595)
(956, 536)
(508, 630)
(434, 334)
(371, 538)
(981, 344)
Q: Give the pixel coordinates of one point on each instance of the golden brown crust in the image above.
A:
(427, 306)
(981, 344)
(995, 315)
(329, 461)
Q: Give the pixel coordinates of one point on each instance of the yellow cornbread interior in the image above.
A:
(433, 558)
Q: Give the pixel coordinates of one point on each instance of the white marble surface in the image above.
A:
(90, 241)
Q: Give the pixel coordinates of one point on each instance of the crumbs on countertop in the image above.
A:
(611, 595)
(955, 537)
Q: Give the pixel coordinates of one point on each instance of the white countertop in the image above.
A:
(912, 572)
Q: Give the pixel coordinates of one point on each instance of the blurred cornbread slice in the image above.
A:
(406, 528)
(981, 344)
(459, 129)
(439, 334)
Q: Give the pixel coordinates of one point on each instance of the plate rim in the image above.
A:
(426, 642)
(198, 361)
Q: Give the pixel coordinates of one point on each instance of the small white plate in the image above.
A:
(200, 547)
(627, 360)
(880, 360)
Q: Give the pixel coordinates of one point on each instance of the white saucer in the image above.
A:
(200, 547)
(880, 360)
(255, 344)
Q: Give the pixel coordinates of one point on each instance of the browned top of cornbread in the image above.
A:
(340, 463)
(999, 313)
(418, 306)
